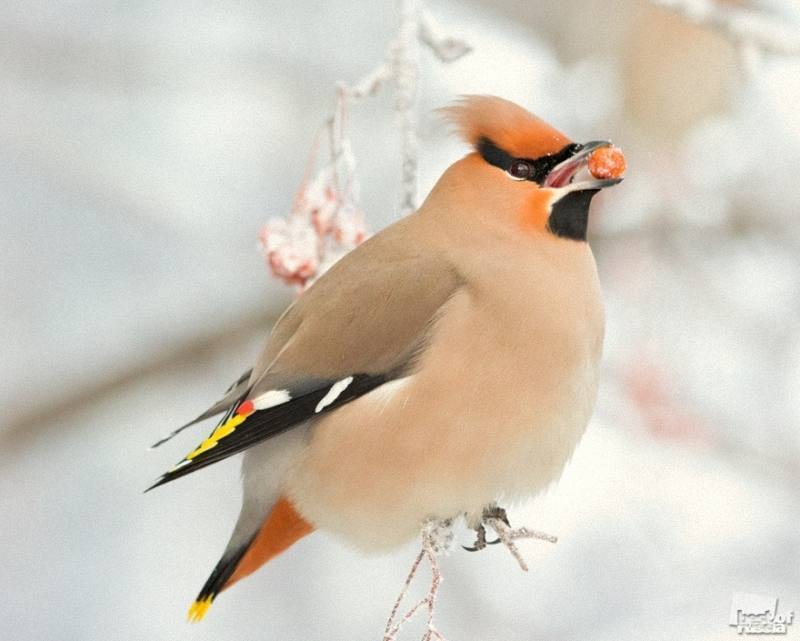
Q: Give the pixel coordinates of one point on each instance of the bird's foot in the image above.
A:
(490, 512)
(495, 512)
(480, 539)
(438, 535)
(497, 519)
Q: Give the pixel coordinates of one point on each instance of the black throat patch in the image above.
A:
(569, 217)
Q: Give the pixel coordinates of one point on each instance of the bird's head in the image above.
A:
(522, 170)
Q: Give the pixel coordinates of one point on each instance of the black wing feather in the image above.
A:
(216, 408)
(266, 423)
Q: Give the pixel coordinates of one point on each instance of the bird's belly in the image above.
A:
(445, 441)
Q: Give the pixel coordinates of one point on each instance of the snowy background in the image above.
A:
(142, 147)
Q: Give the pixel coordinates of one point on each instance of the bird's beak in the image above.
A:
(562, 175)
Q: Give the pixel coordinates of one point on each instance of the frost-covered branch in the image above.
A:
(437, 538)
(446, 48)
(753, 33)
(326, 220)
(401, 67)
(509, 535)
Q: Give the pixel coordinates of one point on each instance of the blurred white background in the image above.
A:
(143, 145)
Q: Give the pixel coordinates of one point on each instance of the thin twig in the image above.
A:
(436, 538)
(508, 535)
(753, 33)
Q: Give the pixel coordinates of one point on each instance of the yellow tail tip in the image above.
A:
(198, 609)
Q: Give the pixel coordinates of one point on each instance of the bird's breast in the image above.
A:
(494, 409)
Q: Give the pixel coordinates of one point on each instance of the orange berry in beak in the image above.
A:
(607, 162)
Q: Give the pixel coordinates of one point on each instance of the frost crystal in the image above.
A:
(326, 221)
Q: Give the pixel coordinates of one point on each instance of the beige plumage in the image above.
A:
(447, 363)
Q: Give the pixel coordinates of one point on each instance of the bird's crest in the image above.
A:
(507, 125)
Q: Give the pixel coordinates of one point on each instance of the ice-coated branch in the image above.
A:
(401, 67)
(753, 33)
(405, 61)
(326, 220)
(446, 48)
(437, 538)
(509, 535)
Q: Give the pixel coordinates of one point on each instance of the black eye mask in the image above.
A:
(538, 168)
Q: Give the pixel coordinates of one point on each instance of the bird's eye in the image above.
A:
(520, 170)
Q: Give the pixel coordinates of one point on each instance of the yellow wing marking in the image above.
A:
(227, 428)
(198, 609)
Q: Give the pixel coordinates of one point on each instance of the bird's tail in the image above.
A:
(282, 528)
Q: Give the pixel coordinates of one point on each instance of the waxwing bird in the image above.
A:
(447, 363)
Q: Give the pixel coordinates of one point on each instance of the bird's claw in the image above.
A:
(492, 512)
(480, 539)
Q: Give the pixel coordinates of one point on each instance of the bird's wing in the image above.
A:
(232, 395)
(359, 326)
